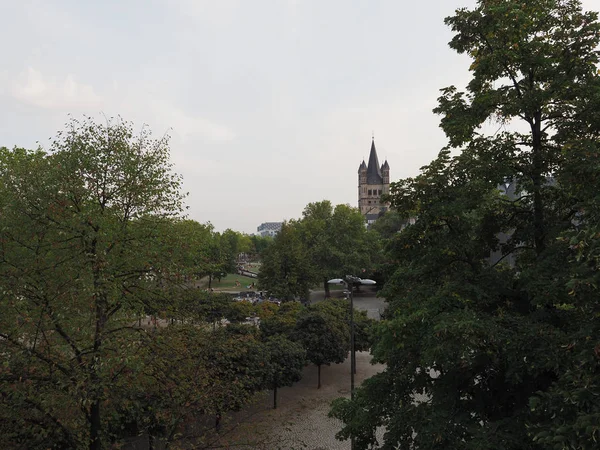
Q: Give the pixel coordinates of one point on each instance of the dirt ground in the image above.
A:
(300, 420)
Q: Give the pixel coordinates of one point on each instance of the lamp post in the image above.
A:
(349, 281)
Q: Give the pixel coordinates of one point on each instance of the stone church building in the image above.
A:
(373, 181)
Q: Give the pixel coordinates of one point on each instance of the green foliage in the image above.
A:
(324, 332)
(286, 271)
(283, 322)
(286, 361)
(336, 241)
(363, 331)
(491, 334)
(326, 243)
(326, 341)
(188, 372)
(260, 244)
(83, 253)
(239, 311)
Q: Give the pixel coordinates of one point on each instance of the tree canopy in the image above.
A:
(328, 242)
(83, 251)
(92, 240)
(491, 334)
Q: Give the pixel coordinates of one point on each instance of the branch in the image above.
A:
(36, 354)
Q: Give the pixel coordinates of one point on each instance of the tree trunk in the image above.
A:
(537, 177)
(275, 397)
(209, 281)
(218, 422)
(101, 306)
(319, 376)
(326, 288)
(95, 443)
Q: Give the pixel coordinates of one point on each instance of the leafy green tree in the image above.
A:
(232, 243)
(491, 320)
(286, 270)
(266, 310)
(239, 311)
(237, 365)
(208, 307)
(324, 336)
(363, 331)
(195, 240)
(83, 251)
(189, 374)
(218, 258)
(390, 223)
(170, 389)
(260, 244)
(337, 241)
(283, 322)
(286, 361)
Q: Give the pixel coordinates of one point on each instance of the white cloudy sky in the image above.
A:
(271, 103)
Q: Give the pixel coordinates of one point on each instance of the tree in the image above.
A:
(218, 258)
(260, 244)
(196, 241)
(336, 240)
(209, 307)
(286, 271)
(82, 252)
(485, 352)
(237, 365)
(286, 361)
(324, 336)
(283, 322)
(190, 374)
(171, 388)
(363, 331)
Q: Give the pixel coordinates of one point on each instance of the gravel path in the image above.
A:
(300, 421)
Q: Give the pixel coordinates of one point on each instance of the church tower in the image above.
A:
(373, 182)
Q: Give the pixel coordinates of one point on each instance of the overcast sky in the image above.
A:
(270, 103)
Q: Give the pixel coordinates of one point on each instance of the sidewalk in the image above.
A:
(300, 420)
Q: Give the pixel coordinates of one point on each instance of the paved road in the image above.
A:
(364, 300)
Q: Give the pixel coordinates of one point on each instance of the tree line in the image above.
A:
(327, 242)
(93, 243)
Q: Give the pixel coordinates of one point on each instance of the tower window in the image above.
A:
(379, 191)
(369, 191)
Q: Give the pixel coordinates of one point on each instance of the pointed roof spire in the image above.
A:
(362, 166)
(373, 169)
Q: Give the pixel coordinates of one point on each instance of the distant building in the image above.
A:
(269, 228)
(373, 182)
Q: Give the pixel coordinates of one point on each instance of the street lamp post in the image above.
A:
(349, 281)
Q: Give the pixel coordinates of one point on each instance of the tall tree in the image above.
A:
(286, 271)
(325, 336)
(83, 250)
(480, 351)
(286, 361)
(336, 240)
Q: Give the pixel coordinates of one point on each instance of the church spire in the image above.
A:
(373, 169)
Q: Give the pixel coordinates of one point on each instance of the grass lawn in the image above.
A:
(229, 282)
